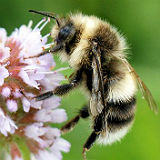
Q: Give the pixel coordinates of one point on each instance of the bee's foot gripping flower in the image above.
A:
(24, 123)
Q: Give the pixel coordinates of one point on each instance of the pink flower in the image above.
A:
(22, 78)
(3, 36)
(6, 92)
(12, 105)
(4, 74)
(6, 124)
(48, 112)
(4, 52)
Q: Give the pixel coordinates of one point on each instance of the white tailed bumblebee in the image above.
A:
(97, 53)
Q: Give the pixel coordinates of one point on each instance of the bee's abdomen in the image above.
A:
(119, 120)
(120, 113)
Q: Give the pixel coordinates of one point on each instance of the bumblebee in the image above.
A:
(97, 53)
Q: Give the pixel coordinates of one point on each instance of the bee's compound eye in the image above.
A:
(64, 32)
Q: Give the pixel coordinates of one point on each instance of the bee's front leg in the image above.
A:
(64, 88)
(59, 91)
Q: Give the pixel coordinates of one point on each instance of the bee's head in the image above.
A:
(62, 32)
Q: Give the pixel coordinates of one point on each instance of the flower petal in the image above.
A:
(4, 74)
(26, 104)
(6, 124)
(17, 93)
(59, 115)
(52, 102)
(56, 116)
(6, 92)
(18, 158)
(4, 53)
(27, 80)
(61, 145)
(12, 105)
(3, 36)
(46, 155)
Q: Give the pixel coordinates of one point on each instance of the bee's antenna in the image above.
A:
(46, 14)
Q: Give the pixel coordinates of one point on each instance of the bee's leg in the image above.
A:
(98, 128)
(83, 113)
(63, 89)
(59, 91)
(90, 141)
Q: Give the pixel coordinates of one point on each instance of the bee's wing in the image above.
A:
(97, 101)
(145, 91)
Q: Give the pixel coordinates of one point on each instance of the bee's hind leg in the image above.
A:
(98, 128)
(83, 113)
(90, 141)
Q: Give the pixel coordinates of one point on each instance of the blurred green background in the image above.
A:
(139, 21)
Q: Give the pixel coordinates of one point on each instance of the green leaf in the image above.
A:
(23, 148)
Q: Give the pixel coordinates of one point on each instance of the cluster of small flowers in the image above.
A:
(22, 119)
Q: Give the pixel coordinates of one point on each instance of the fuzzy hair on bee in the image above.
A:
(97, 53)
